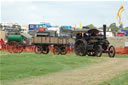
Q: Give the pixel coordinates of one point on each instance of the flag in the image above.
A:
(120, 11)
(80, 25)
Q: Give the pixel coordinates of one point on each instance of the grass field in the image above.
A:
(121, 79)
(17, 66)
(29, 64)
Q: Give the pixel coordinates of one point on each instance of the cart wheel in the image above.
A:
(9, 48)
(15, 47)
(56, 50)
(20, 48)
(37, 50)
(45, 50)
(80, 47)
(63, 50)
(98, 50)
(111, 51)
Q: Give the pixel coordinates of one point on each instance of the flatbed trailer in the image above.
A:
(42, 44)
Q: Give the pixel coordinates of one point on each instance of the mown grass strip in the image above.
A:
(121, 79)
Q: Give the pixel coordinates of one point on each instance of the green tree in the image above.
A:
(126, 28)
(114, 28)
(91, 26)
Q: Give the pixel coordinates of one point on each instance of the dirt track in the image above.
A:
(91, 75)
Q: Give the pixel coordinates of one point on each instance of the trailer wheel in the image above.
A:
(98, 50)
(63, 50)
(45, 50)
(56, 50)
(80, 47)
(37, 49)
(111, 51)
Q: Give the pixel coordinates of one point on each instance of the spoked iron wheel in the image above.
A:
(56, 50)
(98, 50)
(111, 51)
(63, 50)
(9, 48)
(15, 48)
(37, 49)
(45, 50)
(80, 47)
(20, 48)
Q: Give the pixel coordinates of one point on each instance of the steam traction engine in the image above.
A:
(92, 43)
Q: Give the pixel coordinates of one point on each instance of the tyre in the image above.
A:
(111, 51)
(80, 47)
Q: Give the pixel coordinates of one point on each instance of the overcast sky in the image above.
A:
(63, 12)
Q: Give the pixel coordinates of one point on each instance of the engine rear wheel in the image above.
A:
(111, 51)
(80, 47)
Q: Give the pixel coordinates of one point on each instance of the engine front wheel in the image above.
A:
(111, 51)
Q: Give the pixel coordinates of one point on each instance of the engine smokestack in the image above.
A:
(104, 30)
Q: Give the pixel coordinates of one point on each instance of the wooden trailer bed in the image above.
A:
(50, 40)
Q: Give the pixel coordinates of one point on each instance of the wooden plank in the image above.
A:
(61, 41)
(64, 41)
(54, 40)
(46, 39)
(50, 40)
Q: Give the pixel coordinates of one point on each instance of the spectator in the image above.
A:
(2, 43)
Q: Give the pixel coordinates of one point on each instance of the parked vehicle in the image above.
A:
(92, 43)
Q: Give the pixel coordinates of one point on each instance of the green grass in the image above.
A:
(121, 79)
(18, 66)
